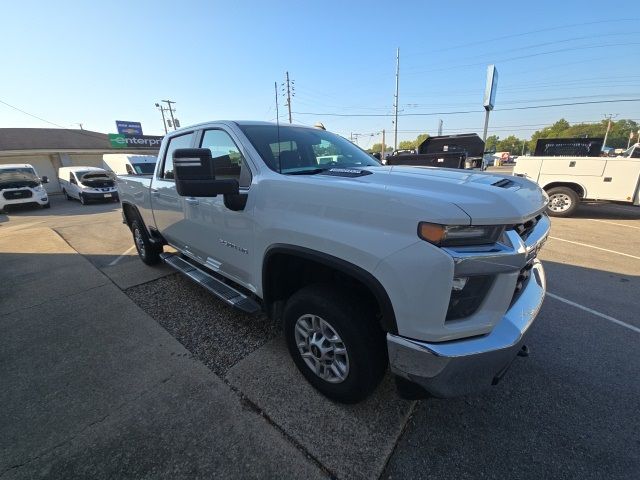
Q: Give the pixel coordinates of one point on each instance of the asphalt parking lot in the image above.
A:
(569, 410)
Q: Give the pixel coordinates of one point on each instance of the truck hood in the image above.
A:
(486, 198)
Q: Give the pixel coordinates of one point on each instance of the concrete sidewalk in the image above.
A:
(92, 387)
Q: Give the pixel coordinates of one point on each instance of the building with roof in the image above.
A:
(48, 149)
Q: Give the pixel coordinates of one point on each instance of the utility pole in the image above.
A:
(440, 127)
(609, 116)
(171, 110)
(164, 120)
(383, 150)
(290, 93)
(395, 105)
(524, 143)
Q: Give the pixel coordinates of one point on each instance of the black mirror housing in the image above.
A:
(195, 176)
(44, 179)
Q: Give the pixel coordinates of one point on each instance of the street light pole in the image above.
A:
(164, 120)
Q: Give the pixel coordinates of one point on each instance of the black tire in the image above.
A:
(83, 200)
(46, 205)
(563, 201)
(67, 196)
(355, 324)
(149, 252)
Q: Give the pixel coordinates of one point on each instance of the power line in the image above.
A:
(426, 114)
(78, 132)
(531, 32)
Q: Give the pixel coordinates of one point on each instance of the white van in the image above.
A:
(570, 180)
(20, 184)
(87, 183)
(128, 164)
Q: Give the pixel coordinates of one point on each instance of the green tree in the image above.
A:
(491, 144)
(406, 145)
(510, 144)
(377, 147)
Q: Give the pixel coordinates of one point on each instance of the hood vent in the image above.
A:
(504, 183)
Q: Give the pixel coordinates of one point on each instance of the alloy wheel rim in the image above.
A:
(321, 348)
(139, 241)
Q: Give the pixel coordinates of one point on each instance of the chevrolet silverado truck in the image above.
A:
(431, 271)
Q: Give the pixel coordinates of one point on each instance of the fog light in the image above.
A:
(459, 283)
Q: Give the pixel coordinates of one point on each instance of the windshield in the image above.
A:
(298, 150)
(633, 152)
(144, 168)
(18, 170)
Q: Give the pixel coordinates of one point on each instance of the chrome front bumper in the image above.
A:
(465, 366)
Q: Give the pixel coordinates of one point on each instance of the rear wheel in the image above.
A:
(66, 195)
(335, 341)
(149, 252)
(563, 201)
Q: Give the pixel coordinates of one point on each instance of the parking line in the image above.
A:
(597, 248)
(594, 312)
(614, 223)
(122, 256)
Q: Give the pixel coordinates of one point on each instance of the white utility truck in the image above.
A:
(570, 180)
(129, 164)
(431, 271)
(20, 185)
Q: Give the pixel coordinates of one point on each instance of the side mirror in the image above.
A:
(377, 156)
(195, 176)
(44, 179)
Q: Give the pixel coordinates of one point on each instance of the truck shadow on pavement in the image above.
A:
(607, 211)
(569, 410)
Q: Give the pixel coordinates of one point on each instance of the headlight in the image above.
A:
(459, 235)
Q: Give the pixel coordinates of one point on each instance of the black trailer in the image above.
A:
(449, 151)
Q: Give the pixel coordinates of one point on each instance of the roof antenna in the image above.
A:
(275, 84)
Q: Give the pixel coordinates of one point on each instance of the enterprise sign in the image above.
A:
(145, 142)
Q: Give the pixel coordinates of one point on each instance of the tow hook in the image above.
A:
(524, 351)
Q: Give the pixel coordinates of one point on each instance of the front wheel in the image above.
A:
(335, 341)
(46, 205)
(563, 201)
(83, 200)
(149, 252)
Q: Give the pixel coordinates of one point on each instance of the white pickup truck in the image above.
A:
(570, 180)
(431, 271)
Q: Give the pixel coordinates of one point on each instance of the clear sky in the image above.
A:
(85, 62)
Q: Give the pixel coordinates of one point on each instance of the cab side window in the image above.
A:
(181, 141)
(72, 178)
(227, 159)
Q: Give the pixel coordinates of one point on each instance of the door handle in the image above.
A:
(154, 192)
(192, 201)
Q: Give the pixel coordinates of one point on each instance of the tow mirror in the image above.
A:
(195, 176)
(44, 179)
(377, 156)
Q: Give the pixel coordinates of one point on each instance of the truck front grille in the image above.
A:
(523, 276)
(525, 229)
(15, 194)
